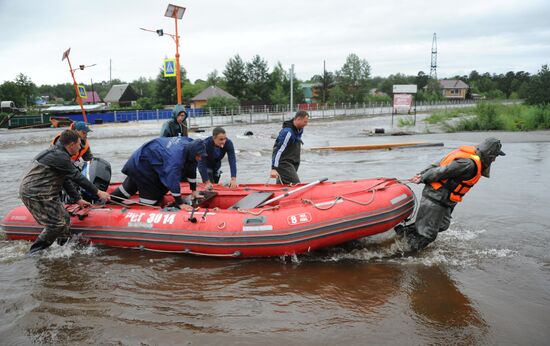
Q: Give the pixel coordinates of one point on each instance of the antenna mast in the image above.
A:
(433, 67)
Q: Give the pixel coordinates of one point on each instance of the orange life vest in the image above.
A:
(463, 152)
(80, 153)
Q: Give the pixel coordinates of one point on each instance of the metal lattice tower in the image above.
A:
(433, 67)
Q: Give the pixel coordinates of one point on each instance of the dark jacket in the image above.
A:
(213, 161)
(172, 128)
(51, 171)
(169, 158)
(287, 145)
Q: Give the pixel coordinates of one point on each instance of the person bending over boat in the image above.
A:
(158, 166)
(82, 129)
(40, 189)
(177, 126)
(217, 146)
(286, 150)
(446, 184)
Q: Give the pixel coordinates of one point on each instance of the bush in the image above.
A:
(221, 102)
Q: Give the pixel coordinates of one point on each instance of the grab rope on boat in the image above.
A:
(247, 211)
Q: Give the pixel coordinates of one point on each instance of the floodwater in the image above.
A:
(485, 281)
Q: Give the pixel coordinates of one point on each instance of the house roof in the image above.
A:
(91, 97)
(452, 84)
(212, 91)
(121, 92)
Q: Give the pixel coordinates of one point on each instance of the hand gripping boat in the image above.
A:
(254, 220)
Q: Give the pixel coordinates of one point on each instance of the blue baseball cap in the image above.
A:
(81, 126)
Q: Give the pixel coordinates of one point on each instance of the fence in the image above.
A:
(208, 117)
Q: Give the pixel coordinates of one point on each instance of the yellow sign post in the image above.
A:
(169, 67)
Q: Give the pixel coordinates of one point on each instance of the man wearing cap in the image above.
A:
(446, 184)
(158, 166)
(82, 129)
(177, 126)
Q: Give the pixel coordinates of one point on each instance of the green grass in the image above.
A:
(444, 115)
(490, 117)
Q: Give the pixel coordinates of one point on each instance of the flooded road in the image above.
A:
(485, 281)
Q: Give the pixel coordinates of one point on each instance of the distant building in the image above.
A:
(122, 95)
(91, 98)
(453, 88)
(200, 100)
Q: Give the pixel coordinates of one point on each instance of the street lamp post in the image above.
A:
(175, 12)
(78, 98)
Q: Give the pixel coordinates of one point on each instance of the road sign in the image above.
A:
(82, 91)
(404, 89)
(169, 67)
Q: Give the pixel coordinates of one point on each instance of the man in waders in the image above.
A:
(40, 189)
(286, 150)
(446, 184)
(217, 146)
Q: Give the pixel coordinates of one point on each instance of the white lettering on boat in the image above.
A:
(299, 218)
(18, 218)
(150, 218)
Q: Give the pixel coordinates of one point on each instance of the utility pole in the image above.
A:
(433, 67)
(110, 70)
(324, 81)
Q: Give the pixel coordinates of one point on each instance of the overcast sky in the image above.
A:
(393, 36)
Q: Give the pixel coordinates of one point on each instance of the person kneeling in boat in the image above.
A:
(177, 126)
(446, 184)
(217, 146)
(286, 150)
(158, 166)
(51, 171)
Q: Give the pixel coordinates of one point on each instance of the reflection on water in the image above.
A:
(360, 293)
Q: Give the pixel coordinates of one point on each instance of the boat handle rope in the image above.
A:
(247, 211)
(308, 201)
(221, 225)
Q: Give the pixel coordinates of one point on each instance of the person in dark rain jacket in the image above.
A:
(286, 150)
(177, 126)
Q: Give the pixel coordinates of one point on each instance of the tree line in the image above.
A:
(253, 83)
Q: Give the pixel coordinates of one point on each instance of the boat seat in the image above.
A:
(252, 200)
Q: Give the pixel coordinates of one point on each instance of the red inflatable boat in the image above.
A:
(250, 221)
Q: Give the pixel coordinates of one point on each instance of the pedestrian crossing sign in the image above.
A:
(169, 67)
(82, 91)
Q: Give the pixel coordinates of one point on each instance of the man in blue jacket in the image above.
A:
(217, 146)
(177, 126)
(158, 166)
(286, 150)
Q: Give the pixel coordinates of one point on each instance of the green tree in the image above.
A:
(257, 75)
(327, 81)
(9, 91)
(144, 87)
(538, 90)
(213, 78)
(279, 85)
(421, 80)
(235, 77)
(166, 92)
(353, 78)
(27, 89)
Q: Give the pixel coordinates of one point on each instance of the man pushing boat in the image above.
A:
(40, 189)
(446, 184)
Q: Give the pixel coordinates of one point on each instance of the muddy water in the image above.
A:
(484, 281)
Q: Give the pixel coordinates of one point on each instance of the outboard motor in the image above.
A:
(98, 171)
